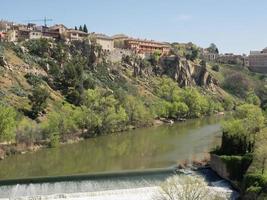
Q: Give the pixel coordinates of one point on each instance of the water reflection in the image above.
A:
(154, 147)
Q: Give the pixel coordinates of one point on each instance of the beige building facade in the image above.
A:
(258, 61)
(104, 41)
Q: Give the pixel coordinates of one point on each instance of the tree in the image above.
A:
(213, 48)
(239, 133)
(192, 53)
(80, 28)
(260, 153)
(181, 187)
(85, 28)
(252, 98)
(7, 123)
(215, 68)
(102, 112)
(60, 124)
(76, 28)
(136, 111)
(238, 84)
(38, 100)
(154, 58)
(72, 81)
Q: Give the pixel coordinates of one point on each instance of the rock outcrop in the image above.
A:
(187, 73)
(3, 62)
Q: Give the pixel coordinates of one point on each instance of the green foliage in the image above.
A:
(33, 79)
(252, 117)
(239, 132)
(85, 28)
(215, 68)
(254, 182)
(252, 98)
(213, 48)
(27, 132)
(186, 102)
(196, 103)
(192, 54)
(102, 112)
(189, 50)
(38, 100)
(38, 47)
(61, 124)
(228, 104)
(7, 123)
(238, 84)
(137, 113)
(154, 58)
(237, 165)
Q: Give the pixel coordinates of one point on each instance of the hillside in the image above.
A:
(60, 92)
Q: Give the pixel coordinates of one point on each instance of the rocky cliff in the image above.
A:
(188, 73)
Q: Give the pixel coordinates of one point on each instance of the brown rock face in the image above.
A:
(187, 73)
(3, 61)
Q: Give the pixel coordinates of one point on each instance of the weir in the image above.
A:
(115, 165)
(131, 184)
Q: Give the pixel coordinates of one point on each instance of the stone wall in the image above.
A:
(219, 166)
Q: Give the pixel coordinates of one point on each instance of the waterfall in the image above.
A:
(142, 187)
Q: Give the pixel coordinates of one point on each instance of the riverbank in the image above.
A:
(7, 150)
(142, 148)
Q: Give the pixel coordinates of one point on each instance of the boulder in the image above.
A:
(3, 61)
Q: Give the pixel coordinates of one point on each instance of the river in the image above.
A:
(142, 149)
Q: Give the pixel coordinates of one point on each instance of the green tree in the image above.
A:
(213, 48)
(238, 84)
(192, 98)
(75, 28)
(252, 98)
(80, 28)
(61, 124)
(85, 28)
(136, 111)
(7, 123)
(154, 58)
(38, 100)
(40, 47)
(239, 133)
(102, 112)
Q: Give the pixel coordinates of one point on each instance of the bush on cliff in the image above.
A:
(7, 123)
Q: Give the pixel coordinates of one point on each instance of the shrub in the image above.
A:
(7, 123)
(237, 165)
(27, 132)
(238, 84)
(215, 68)
(33, 79)
(38, 100)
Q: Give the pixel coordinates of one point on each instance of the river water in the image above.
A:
(142, 149)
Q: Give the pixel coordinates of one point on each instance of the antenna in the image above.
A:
(44, 20)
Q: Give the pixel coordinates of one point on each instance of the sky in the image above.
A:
(235, 26)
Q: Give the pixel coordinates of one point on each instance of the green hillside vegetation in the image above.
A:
(55, 92)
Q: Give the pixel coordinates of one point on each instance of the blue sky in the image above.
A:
(234, 25)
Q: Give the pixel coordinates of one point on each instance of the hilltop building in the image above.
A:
(258, 61)
(106, 42)
(119, 40)
(230, 58)
(146, 46)
(72, 35)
